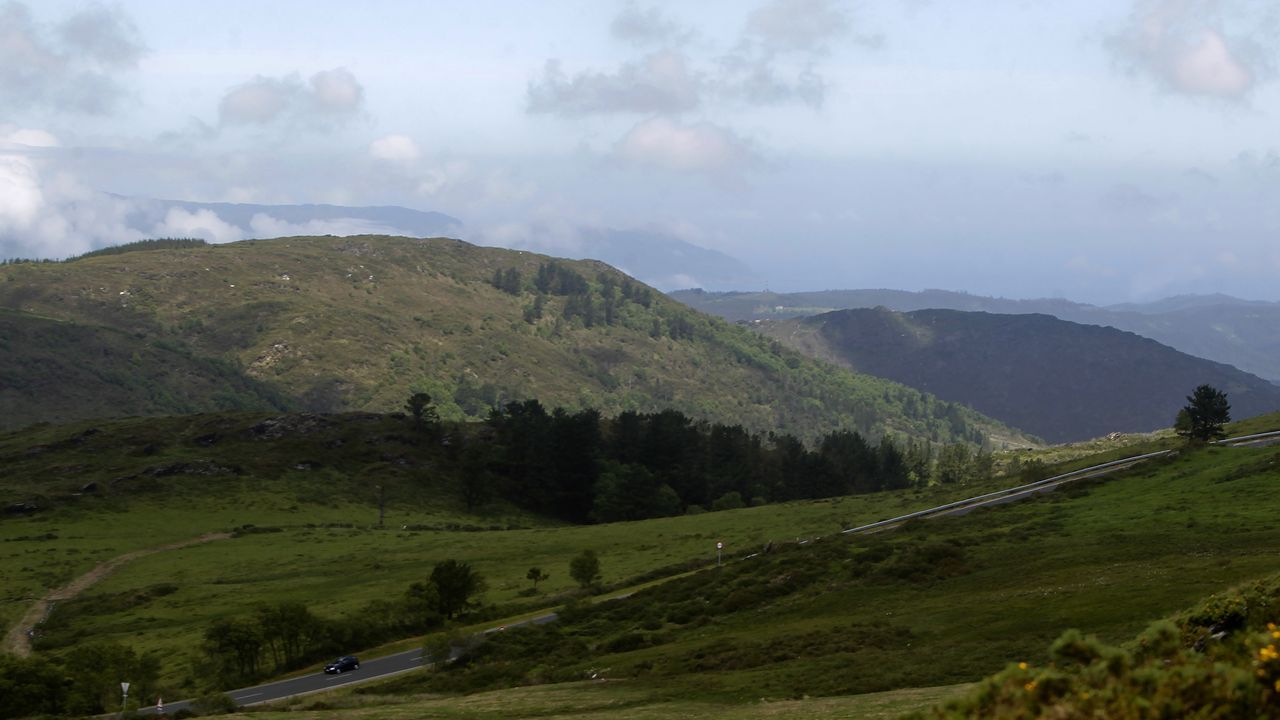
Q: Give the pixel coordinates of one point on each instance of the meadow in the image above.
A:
(955, 598)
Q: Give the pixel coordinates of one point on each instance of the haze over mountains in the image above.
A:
(1241, 333)
(1060, 380)
(651, 255)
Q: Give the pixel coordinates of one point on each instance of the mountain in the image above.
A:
(1060, 380)
(360, 323)
(650, 255)
(1242, 333)
(659, 259)
(270, 220)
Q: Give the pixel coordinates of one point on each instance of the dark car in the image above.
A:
(343, 664)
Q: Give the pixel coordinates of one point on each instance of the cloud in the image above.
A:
(268, 226)
(755, 81)
(70, 66)
(661, 82)
(797, 25)
(1182, 45)
(327, 99)
(699, 148)
(775, 60)
(647, 27)
(48, 213)
(203, 224)
(396, 149)
(1130, 199)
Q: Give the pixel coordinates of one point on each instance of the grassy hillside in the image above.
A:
(56, 371)
(359, 323)
(936, 603)
(942, 602)
(1060, 380)
(301, 492)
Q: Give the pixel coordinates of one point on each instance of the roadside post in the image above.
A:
(124, 699)
(719, 548)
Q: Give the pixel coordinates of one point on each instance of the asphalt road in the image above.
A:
(390, 665)
(370, 670)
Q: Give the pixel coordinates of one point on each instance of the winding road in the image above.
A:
(391, 665)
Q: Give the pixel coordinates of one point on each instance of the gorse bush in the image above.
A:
(1220, 659)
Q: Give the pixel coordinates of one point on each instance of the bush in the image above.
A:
(1220, 659)
(215, 703)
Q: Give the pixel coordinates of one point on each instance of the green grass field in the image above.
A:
(1106, 557)
(617, 700)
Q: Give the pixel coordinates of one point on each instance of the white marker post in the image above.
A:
(124, 700)
(719, 547)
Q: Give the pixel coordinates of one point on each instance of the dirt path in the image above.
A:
(18, 640)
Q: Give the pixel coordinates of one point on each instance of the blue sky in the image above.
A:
(1101, 151)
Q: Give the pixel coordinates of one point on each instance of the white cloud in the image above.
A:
(337, 91)
(395, 148)
(20, 196)
(329, 98)
(48, 213)
(203, 224)
(267, 226)
(1182, 45)
(699, 148)
(1209, 68)
(69, 66)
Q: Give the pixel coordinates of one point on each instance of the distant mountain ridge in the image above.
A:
(1060, 380)
(651, 255)
(391, 219)
(1241, 333)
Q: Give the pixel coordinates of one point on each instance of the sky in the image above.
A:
(1102, 151)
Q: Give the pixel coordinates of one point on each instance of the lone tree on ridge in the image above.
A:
(1206, 412)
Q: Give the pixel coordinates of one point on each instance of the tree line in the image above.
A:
(582, 467)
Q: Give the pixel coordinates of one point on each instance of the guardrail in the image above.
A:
(1249, 438)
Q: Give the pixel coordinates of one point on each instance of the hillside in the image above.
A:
(57, 371)
(936, 602)
(1060, 380)
(933, 603)
(359, 323)
(1221, 328)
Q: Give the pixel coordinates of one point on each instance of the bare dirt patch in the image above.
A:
(18, 640)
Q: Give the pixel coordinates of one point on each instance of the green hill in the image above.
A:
(1060, 380)
(332, 324)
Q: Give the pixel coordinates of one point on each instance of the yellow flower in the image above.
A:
(1275, 634)
(1271, 626)
(1022, 666)
(1278, 686)
(1029, 686)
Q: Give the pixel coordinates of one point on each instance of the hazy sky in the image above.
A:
(1101, 151)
